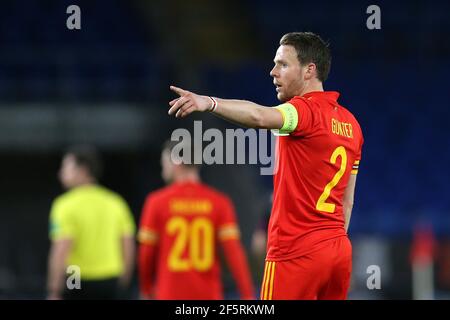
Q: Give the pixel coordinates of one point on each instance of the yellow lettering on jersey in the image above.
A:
(190, 206)
(341, 128)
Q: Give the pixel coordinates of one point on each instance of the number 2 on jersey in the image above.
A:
(188, 236)
(322, 205)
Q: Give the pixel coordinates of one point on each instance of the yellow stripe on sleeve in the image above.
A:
(230, 231)
(147, 236)
(355, 167)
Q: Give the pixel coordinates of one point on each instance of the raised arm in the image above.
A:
(244, 113)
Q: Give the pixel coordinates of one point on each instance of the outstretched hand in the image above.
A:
(187, 102)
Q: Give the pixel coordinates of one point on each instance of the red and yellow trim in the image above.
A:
(228, 231)
(267, 283)
(147, 236)
(355, 167)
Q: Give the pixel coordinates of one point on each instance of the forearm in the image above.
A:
(349, 196)
(238, 264)
(125, 279)
(145, 268)
(347, 216)
(242, 112)
(56, 274)
(128, 260)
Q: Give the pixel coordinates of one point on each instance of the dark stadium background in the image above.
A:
(107, 84)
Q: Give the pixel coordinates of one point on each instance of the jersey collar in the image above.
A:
(331, 95)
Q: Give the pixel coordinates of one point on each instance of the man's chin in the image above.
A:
(281, 97)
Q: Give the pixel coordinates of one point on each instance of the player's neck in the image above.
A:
(312, 86)
(86, 181)
(187, 177)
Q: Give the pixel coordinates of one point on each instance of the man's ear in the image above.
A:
(310, 71)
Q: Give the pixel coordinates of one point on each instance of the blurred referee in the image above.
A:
(92, 229)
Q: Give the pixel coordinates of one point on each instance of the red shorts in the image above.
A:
(322, 274)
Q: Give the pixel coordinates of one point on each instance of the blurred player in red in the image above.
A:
(309, 255)
(182, 226)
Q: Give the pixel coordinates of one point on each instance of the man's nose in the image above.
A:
(272, 72)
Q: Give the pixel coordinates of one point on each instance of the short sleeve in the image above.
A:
(297, 117)
(356, 163)
(227, 226)
(61, 224)
(148, 228)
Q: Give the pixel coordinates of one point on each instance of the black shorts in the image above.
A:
(107, 289)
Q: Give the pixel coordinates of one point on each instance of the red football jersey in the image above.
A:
(314, 163)
(186, 221)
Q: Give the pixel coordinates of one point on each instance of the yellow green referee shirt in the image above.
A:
(96, 219)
